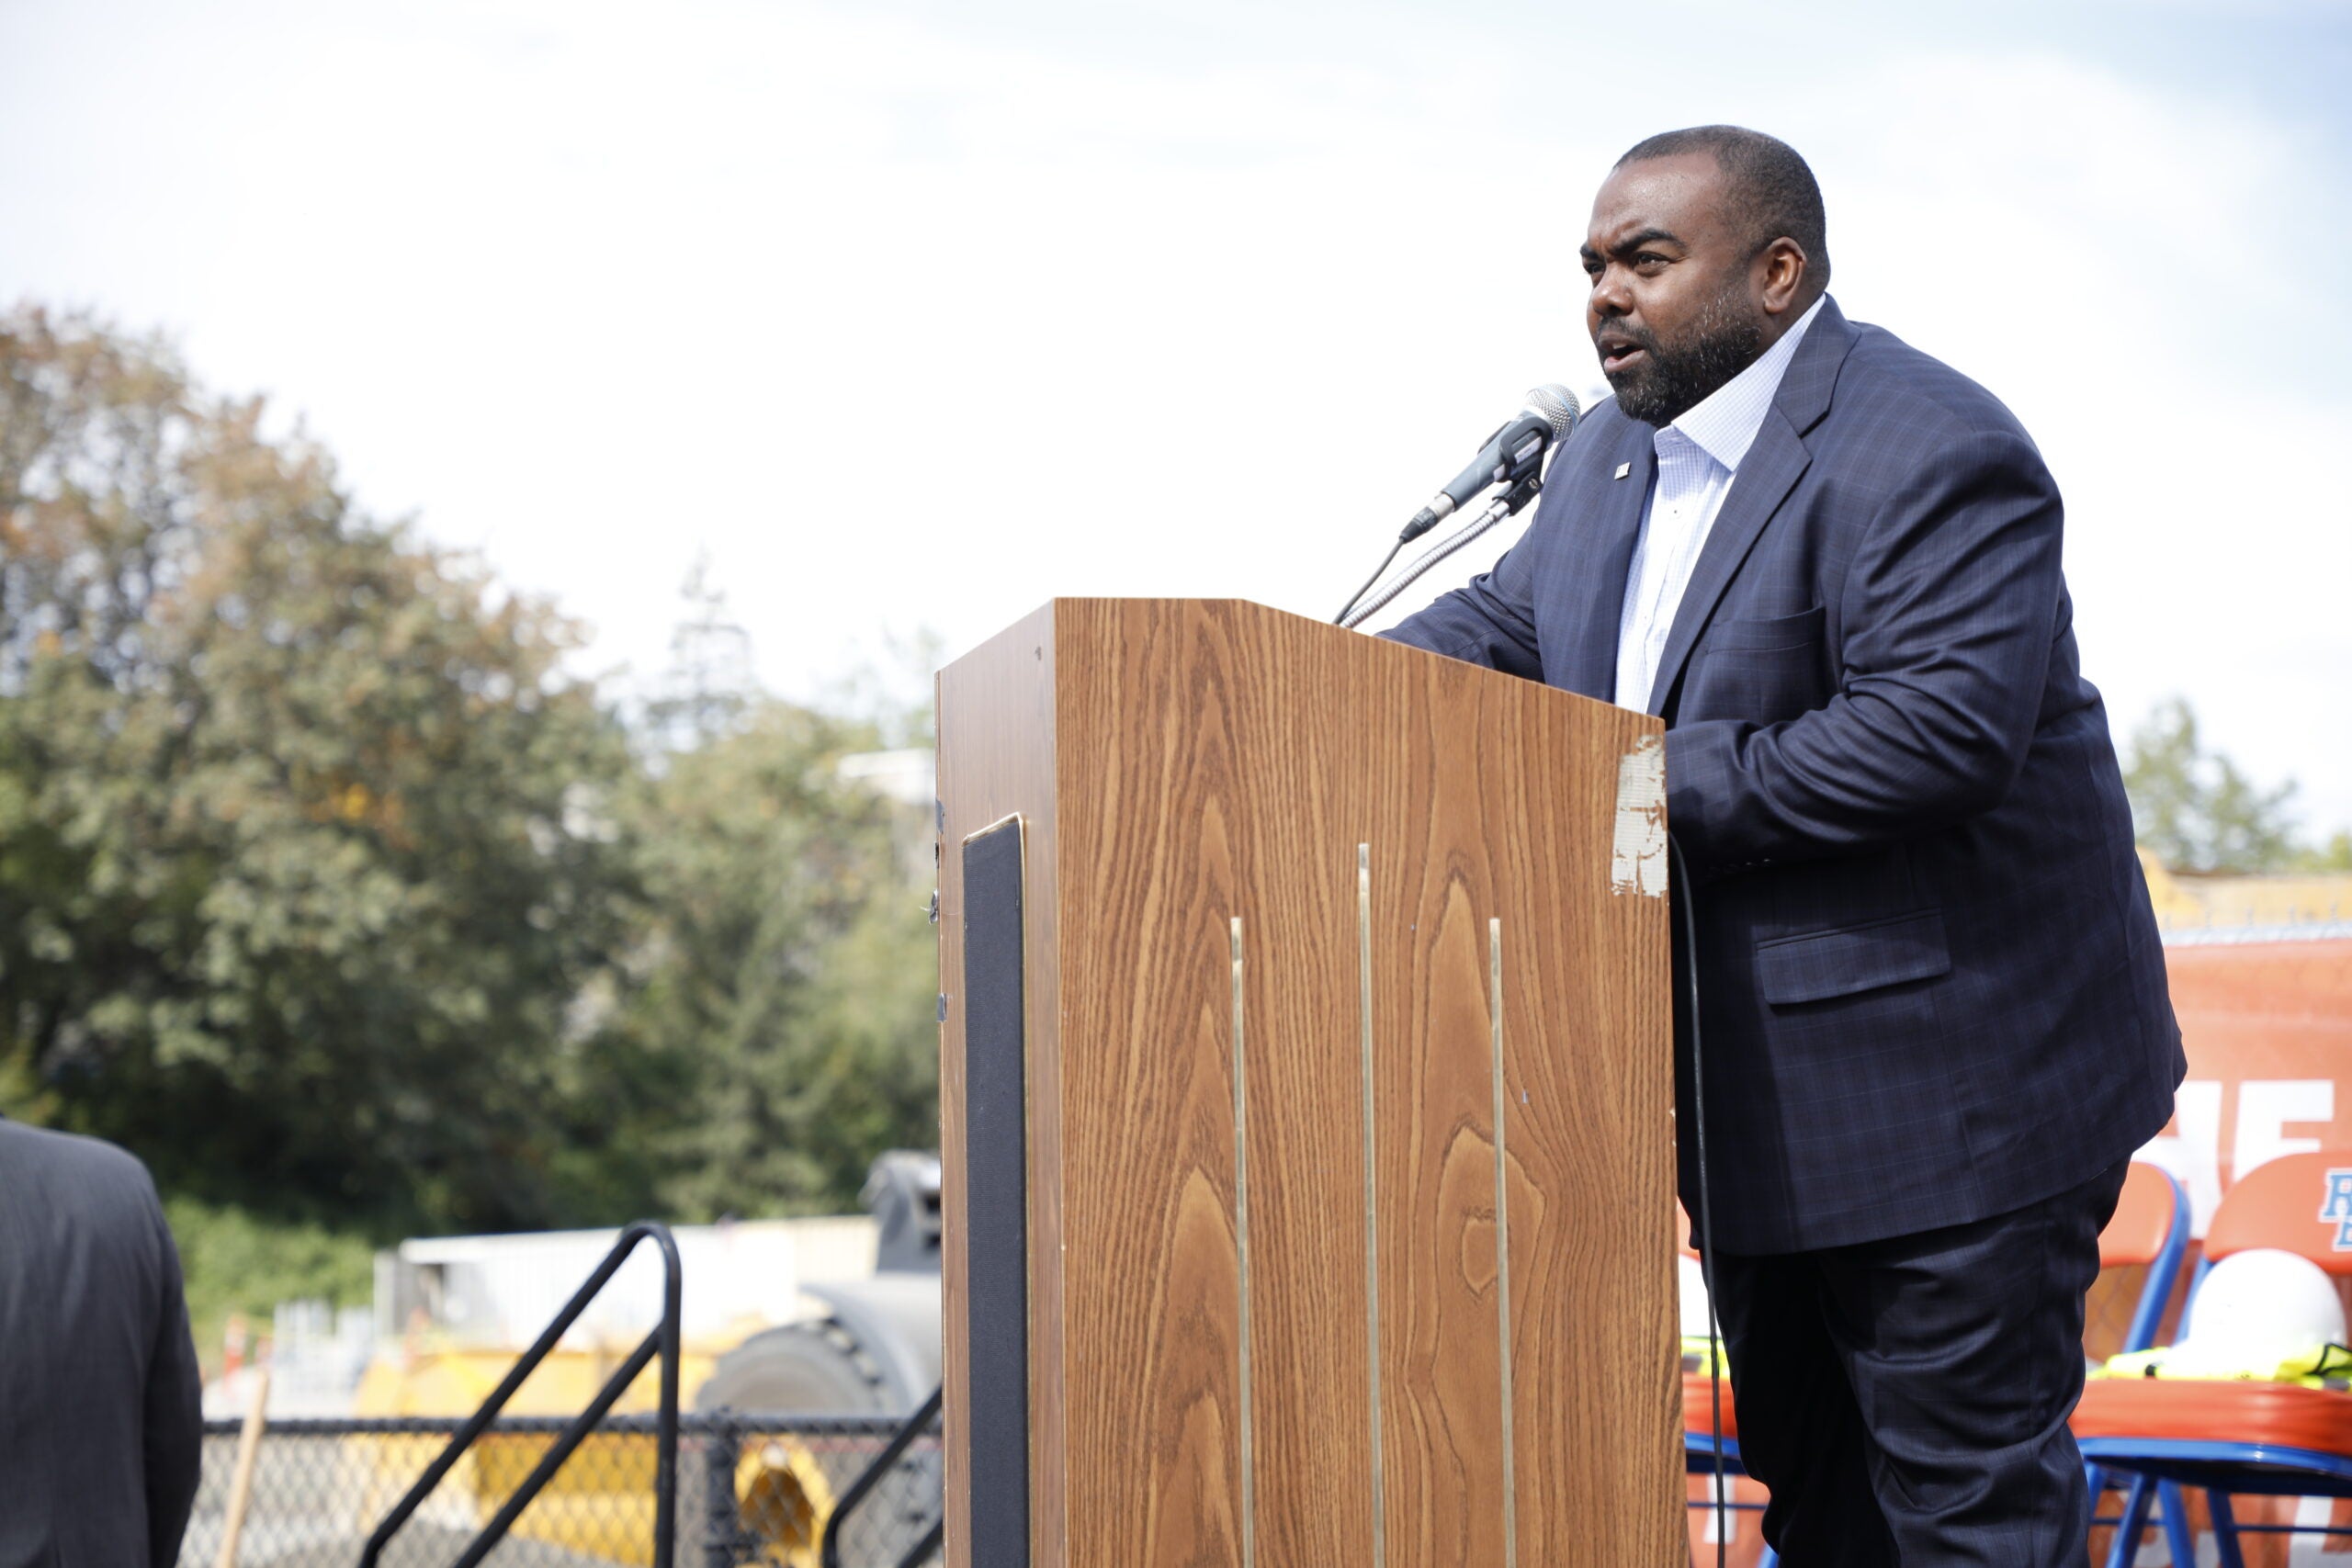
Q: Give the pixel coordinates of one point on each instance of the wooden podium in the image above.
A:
(1306, 1092)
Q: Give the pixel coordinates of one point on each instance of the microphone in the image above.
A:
(1546, 415)
(1512, 456)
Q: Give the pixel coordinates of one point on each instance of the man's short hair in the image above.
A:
(1776, 191)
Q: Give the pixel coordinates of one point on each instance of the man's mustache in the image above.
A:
(1640, 337)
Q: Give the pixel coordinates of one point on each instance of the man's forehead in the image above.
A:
(1680, 194)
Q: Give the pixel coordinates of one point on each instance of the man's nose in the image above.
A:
(1611, 298)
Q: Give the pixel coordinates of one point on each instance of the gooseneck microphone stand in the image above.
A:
(1517, 493)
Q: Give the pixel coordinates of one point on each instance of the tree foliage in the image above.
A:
(327, 889)
(301, 843)
(785, 973)
(2198, 812)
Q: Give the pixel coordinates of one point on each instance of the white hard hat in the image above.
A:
(2265, 1304)
(1692, 1288)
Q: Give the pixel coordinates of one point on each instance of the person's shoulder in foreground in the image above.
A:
(71, 1162)
(101, 1422)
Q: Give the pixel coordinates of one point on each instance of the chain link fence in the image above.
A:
(753, 1489)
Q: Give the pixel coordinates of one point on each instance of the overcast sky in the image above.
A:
(914, 315)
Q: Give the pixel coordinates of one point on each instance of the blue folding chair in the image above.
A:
(1698, 1452)
(2150, 1229)
(1698, 1431)
(2243, 1439)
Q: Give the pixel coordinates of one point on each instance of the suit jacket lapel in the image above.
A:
(1615, 521)
(1766, 474)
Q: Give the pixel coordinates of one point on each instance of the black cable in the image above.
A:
(1706, 1216)
(1341, 619)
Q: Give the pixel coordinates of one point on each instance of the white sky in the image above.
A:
(915, 315)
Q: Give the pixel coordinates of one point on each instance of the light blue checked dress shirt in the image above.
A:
(1698, 459)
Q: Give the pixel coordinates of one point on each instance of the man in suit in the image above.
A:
(1932, 1000)
(101, 1419)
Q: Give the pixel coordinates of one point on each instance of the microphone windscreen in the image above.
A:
(1555, 404)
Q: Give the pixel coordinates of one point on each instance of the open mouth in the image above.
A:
(1618, 354)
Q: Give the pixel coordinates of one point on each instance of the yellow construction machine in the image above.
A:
(796, 1317)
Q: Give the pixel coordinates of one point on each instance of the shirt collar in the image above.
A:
(1725, 423)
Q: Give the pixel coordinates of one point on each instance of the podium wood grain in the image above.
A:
(1186, 765)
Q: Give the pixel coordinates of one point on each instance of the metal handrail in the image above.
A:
(661, 1342)
(798, 1423)
(829, 1553)
(923, 1551)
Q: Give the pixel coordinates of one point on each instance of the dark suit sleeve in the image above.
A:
(1490, 621)
(1949, 612)
(173, 1436)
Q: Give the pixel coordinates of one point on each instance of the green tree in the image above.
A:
(782, 987)
(307, 843)
(2333, 856)
(2198, 812)
(324, 889)
(709, 687)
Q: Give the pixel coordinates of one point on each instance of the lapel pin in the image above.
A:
(1625, 468)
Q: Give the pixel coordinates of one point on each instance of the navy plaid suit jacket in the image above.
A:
(101, 1405)
(1931, 982)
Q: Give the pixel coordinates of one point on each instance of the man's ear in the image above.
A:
(1782, 266)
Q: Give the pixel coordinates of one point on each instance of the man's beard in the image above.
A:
(1669, 382)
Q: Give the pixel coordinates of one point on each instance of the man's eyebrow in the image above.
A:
(1649, 236)
(1646, 236)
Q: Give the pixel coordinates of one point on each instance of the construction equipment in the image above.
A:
(876, 1348)
(870, 1346)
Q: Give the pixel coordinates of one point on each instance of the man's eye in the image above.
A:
(1649, 261)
